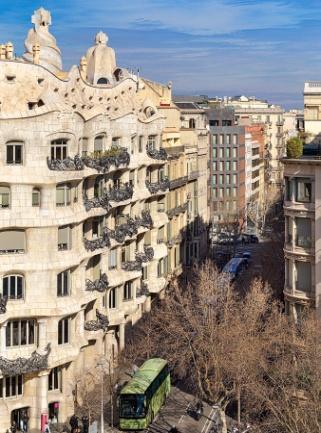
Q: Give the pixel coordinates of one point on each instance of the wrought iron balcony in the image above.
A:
(145, 220)
(3, 304)
(178, 182)
(140, 258)
(160, 154)
(177, 210)
(101, 322)
(117, 193)
(154, 187)
(113, 157)
(145, 256)
(127, 229)
(121, 193)
(133, 265)
(67, 164)
(99, 285)
(97, 202)
(102, 242)
(142, 291)
(35, 363)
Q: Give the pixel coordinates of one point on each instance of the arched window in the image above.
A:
(13, 286)
(4, 196)
(98, 143)
(102, 80)
(191, 123)
(12, 242)
(36, 197)
(59, 149)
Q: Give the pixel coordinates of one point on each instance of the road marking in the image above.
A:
(208, 422)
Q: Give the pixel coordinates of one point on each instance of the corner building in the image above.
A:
(82, 212)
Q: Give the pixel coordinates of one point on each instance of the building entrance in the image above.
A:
(21, 419)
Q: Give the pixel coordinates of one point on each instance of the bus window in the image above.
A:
(132, 406)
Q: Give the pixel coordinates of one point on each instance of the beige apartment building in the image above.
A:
(90, 223)
(194, 133)
(302, 234)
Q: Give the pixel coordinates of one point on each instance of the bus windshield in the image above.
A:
(132, 406)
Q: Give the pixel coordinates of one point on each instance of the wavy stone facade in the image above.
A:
(78, 151)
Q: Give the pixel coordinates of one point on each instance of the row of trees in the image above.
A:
(240, 351)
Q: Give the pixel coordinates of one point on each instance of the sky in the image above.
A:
(266, 48)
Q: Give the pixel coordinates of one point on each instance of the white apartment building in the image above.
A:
(82, 215)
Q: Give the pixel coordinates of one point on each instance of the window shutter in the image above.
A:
(12, 240)
(64, 235)
(98, 144)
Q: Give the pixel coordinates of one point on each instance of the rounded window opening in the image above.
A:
(149, 112)
(118, 74)
(102, 80)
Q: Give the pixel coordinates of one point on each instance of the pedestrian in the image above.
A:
(73, 423)
(85, 424)
(25, 419)
(13, 427)
(46, 428)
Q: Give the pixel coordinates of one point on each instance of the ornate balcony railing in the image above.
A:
(97, 202)
(177, 210)
(112, 157)
(140, 258)
(102, 242)
(142, 291)
(99, 285)
(3, 304)
(101, 322)
(35, 363)
(160, 154)
(145, 220)
(178, 182)
(154, 187)
(67, 164)
(145, 256)
(122, 193)
(128, 229)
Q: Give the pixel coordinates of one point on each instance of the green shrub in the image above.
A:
(294, 148)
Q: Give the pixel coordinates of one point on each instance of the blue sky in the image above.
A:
(266, 48)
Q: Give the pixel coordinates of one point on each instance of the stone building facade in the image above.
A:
(85, 214)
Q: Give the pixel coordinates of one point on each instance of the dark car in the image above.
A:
(254, 239)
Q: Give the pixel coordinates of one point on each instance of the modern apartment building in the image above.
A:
(227, 169)
(89, 220)
(250, 110)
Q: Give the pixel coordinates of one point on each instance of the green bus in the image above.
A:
(143, 396)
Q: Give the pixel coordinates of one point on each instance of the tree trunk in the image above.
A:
(238, 398)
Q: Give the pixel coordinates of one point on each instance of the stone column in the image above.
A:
(294, 232)
(121, 336)
(42, 333)
(42, 396)
(293, 275)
